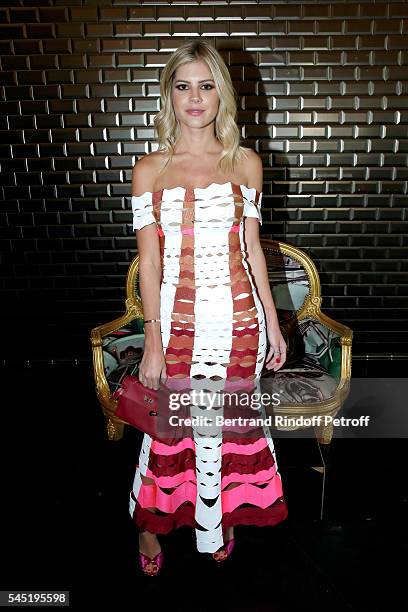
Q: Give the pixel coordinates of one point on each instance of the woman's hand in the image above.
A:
(152, 369)
(277, 351)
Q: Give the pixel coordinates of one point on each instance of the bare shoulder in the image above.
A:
(145, 172)
(253, 169)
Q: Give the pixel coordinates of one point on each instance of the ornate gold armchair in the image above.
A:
(315, 379)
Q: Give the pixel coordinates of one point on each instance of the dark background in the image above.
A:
(322, 89)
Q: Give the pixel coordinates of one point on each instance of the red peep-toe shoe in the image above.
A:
(151, 565)
(224, 552)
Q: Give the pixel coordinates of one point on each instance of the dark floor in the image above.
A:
(66, 523)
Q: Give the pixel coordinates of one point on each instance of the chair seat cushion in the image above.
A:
(305, 382)
(310, 342)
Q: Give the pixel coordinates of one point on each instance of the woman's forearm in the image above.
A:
(149, 283)
(257, 263)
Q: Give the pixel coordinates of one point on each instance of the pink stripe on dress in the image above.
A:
(250, 494)
(151, 496)
(258, 477)
(168, 482)
(164, 449)
(244, 449)
(228, 447)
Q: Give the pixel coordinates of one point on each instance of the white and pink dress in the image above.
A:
(213, 329)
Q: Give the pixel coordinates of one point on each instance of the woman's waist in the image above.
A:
(222, 285)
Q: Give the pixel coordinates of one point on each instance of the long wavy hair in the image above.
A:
(226, 129)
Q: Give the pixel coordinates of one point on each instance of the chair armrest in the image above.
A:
(335, 357)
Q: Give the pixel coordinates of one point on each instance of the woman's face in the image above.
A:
(194, 89)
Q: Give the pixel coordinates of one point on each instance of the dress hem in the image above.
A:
(145, 520)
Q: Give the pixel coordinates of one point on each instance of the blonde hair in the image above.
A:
(226, 128)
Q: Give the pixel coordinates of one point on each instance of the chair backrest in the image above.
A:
(295, 288)
(292, 276)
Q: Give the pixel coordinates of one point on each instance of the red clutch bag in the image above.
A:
(148, 410)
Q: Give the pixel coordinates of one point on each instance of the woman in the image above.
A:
(196, 212)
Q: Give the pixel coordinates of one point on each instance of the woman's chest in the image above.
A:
(179, 208)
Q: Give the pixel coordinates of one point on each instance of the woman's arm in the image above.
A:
(150, 271)
(257, 263)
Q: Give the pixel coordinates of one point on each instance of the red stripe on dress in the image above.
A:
(245, 342)
(244, 332)
(184, 330)
(157, 197)
(185, 516)
(182, 352)
(179, 352)
(171, 465)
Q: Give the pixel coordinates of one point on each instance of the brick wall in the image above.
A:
(323, 100)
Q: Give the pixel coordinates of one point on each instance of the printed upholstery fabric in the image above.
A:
(313, 366)
(213, 329)
(122, 351)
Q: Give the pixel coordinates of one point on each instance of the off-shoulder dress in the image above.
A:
(212, 327)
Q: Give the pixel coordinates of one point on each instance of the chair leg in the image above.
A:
(324, 433)
(114, 429)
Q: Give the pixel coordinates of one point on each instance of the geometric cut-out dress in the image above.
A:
(212, 326)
